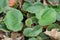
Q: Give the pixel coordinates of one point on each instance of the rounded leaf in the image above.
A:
(13, 20)
(32, 32)
(35, 8)
(41, 12)
(28, 22)
(48, 17)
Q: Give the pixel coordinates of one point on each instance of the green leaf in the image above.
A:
(28, 22)
(13, 20)
(3, 27)
(32, 32)
(41, 12)
(33, 39)
(58, 9)
(39, 38)
(58, 13)
(34, 20)
(48, 17)
(35, 8)
(58, 16)
(26, 5)
(38, 3)
(3, 5)
(43, 36)
(52, 26)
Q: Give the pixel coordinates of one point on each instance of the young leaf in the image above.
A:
(3, 5)
(13, 20)
(32, 32)
(48, 18)
(28, 22)
(34, 20)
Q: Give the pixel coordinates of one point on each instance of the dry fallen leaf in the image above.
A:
(53, 34)
(1, 34)
(6, 38)
(17, 36)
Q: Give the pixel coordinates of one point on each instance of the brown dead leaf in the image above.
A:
(6, 38)
(53, 34)
(17, 36)
(1, 34)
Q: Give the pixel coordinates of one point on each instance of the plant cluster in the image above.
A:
(30, 17)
